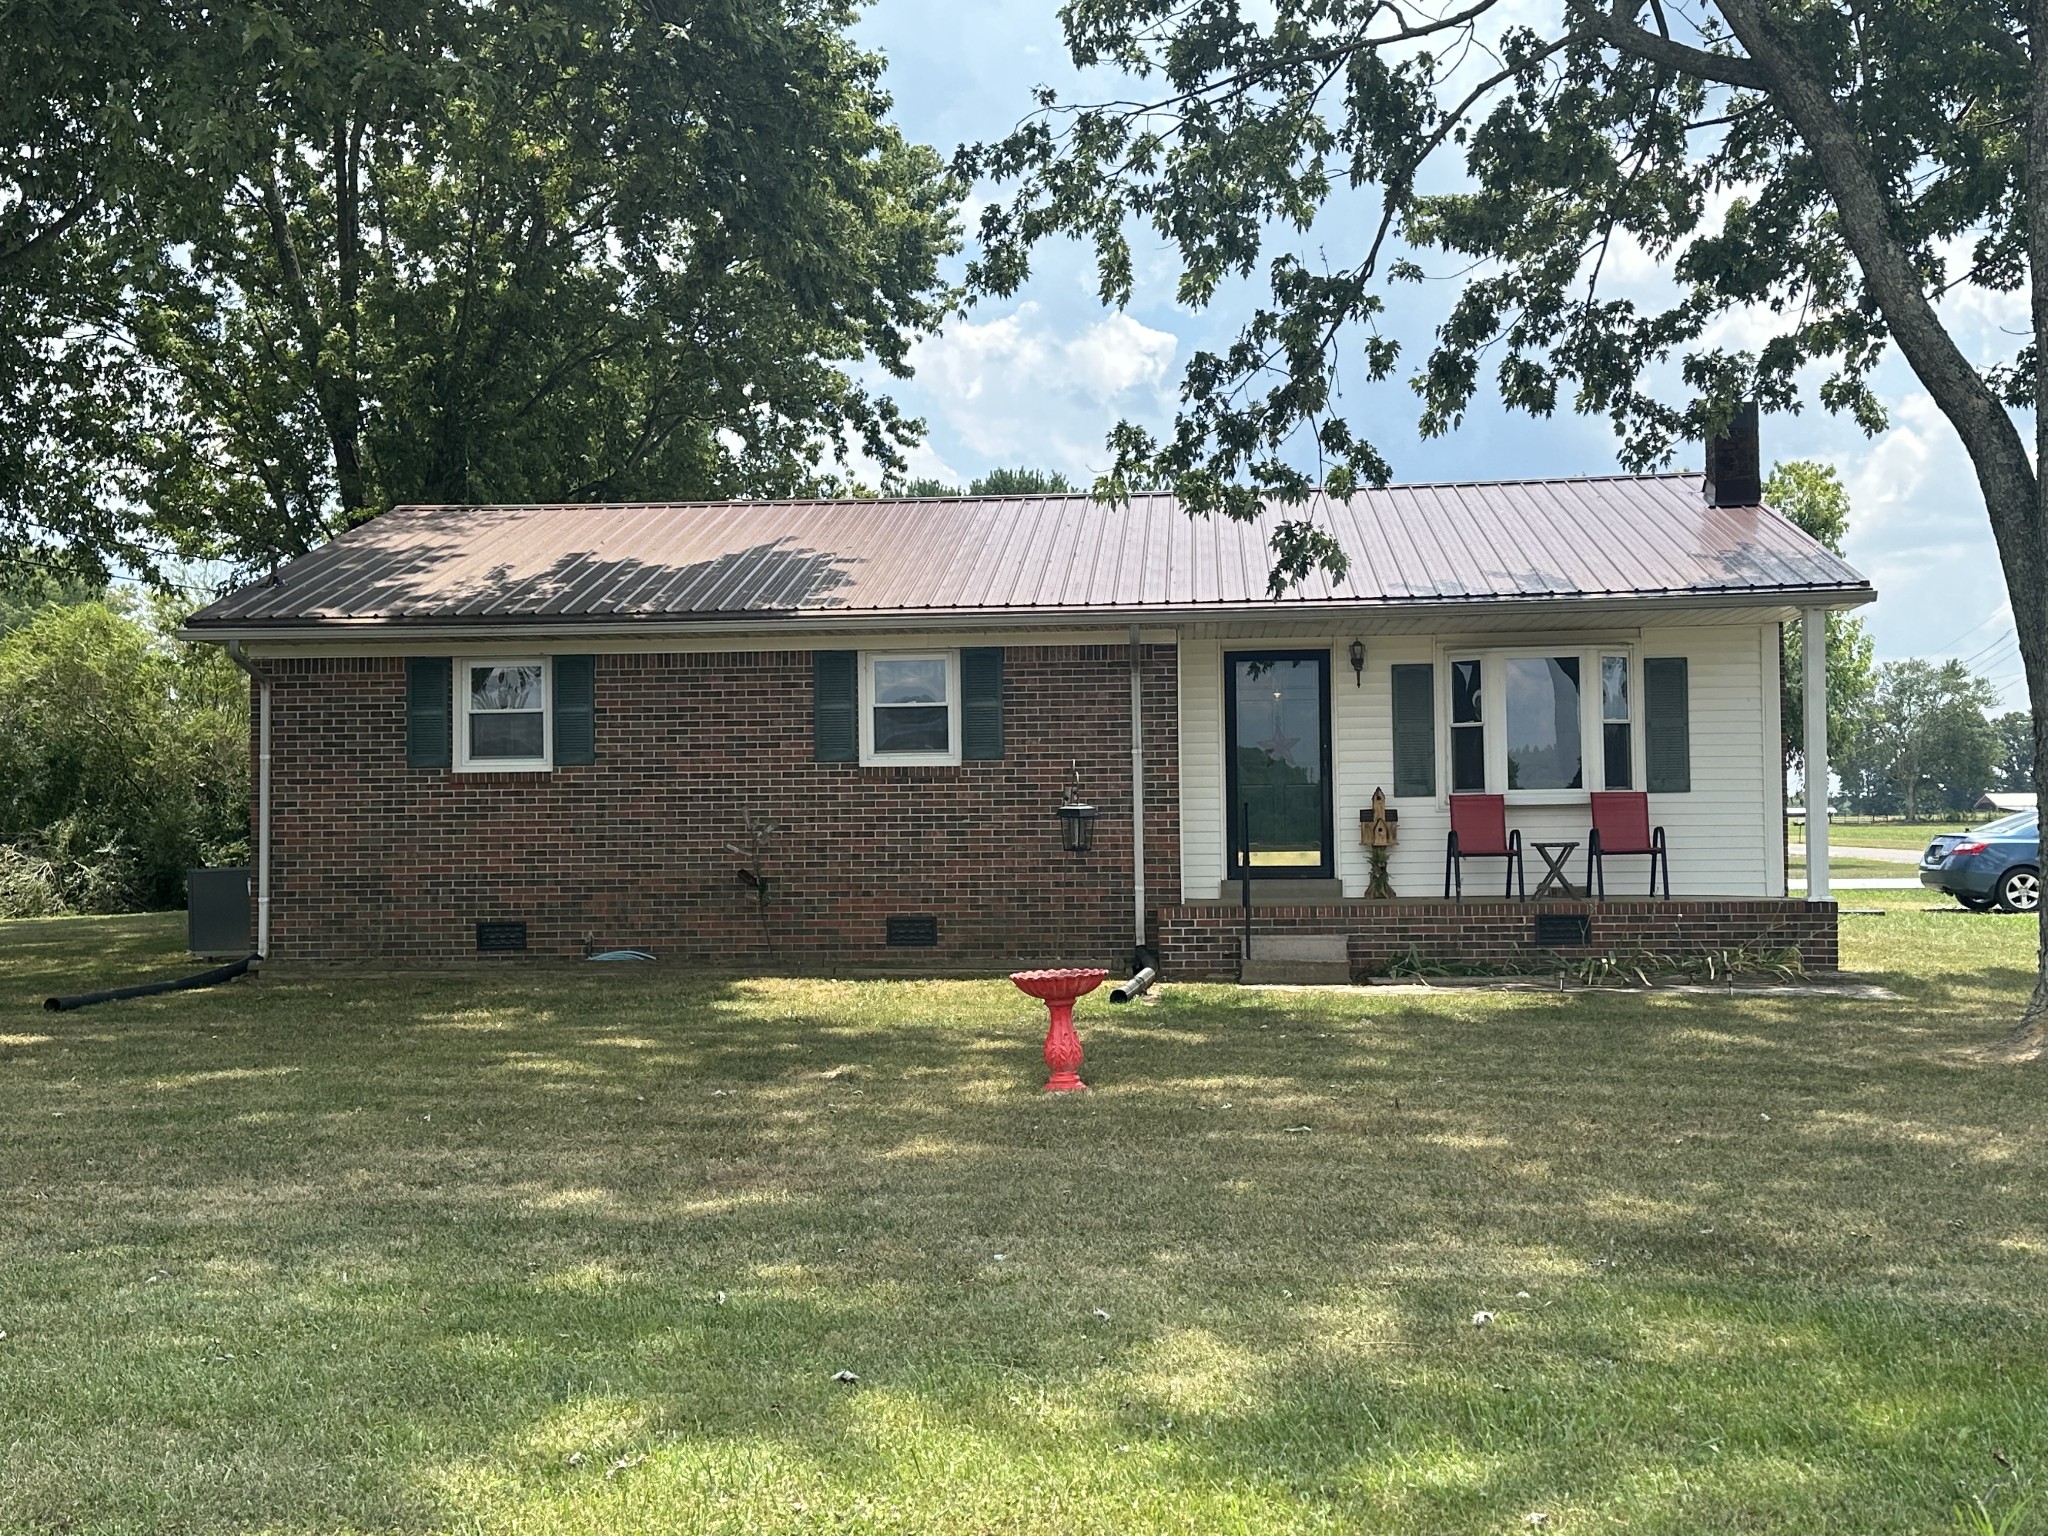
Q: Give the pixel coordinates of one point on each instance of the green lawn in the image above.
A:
(581, 1253)
(1857, 869)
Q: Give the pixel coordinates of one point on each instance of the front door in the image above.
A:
(1276, 726)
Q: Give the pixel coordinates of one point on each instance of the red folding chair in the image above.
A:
(1479, 830)
(1621, 824)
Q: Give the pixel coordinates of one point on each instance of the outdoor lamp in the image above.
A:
(1358, 661)
(1077, 826)
(1077, 819)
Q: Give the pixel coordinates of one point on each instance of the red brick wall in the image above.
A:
(375, 860)
(1197, 941)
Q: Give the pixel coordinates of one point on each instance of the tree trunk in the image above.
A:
(2007, 476)
(2026, 565)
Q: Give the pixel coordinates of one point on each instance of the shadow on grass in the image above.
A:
(448, 1252)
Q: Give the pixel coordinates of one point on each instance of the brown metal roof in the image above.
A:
(1040, 556)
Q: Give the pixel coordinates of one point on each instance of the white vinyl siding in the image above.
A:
(1725, 834)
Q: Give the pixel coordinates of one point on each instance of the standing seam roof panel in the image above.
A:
(1502, 540)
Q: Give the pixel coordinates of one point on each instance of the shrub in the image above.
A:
(123, 759)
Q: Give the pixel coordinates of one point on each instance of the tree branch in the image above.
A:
(49, 234)
(1889, 272)
(1617, 27)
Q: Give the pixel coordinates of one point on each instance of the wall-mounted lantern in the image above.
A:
(1358, 662)
(1077, 819)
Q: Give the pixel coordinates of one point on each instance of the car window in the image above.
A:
(2019, 824)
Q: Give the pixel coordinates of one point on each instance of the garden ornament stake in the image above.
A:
(1059, 989)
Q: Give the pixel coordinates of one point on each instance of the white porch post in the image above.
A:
(1813, 648)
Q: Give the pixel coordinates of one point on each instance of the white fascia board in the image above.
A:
(741, 629)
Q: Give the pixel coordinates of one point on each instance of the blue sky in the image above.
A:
(1040, 379)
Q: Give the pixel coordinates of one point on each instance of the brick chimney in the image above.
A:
(1734, 468)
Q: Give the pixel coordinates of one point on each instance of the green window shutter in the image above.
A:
(575, 710)
(981, 704)
(1667, 726)
(429, 702)
(1415, 729)
(835, 718)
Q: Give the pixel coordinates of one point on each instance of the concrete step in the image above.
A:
(1299, 959)
(1315, 948)
(1296, 973)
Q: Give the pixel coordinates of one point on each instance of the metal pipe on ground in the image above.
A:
(212, 978)
(1133, 987)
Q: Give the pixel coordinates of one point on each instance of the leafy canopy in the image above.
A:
(1832, 169)
(273, 267)
(1021, 481)
(1925, 742)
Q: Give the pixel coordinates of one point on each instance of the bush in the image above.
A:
(124, 759)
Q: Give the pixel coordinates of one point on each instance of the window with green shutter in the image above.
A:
(575, 705)
(835, 713)
(429, 731)
(981, 704)
(1667, 726)
(1415, 730)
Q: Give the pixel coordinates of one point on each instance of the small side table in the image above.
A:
(1556, 880)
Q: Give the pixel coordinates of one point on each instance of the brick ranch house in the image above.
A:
(537, 729)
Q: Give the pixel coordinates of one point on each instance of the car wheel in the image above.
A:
(2020, 890)
(1976, 903)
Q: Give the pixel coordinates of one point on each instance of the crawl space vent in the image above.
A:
(918, 932)
(500, 938)
(1563, 930)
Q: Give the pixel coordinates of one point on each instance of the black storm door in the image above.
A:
(1276, 730)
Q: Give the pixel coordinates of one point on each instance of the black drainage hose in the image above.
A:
(212, 978)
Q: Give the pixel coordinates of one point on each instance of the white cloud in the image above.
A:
(1118, 355)
(1034, 388)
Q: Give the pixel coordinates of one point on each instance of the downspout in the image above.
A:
(240, 658)
(1139, 954)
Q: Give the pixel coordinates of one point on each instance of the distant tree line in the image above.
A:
(1905, 738)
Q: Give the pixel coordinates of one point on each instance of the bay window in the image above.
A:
(1540, 724)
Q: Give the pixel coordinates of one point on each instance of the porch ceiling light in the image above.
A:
(1358, 662)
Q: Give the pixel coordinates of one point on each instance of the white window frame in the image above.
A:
(1493, 700)
(464, 763)
(865, 701)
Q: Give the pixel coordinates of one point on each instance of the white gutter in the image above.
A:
(1538, 609)
(1137, 799)
(236, 655)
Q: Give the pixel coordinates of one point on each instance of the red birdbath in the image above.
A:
(1062, 1045)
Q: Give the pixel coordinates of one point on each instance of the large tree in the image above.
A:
(1926, 742)
(284, 264)
(1832, 170)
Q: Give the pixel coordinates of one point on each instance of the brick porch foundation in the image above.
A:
(1201, 941)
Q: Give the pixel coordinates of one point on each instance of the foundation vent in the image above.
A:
(1563, 930)
(920, 931)
(500, 938)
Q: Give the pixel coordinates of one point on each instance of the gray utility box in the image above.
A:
(217, 912)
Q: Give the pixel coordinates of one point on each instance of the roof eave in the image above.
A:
(804, 621)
